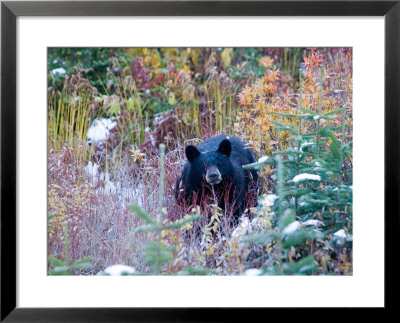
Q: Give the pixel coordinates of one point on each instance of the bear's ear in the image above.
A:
(225, 147)
(192, 153)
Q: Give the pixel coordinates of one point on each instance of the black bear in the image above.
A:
(214, 170)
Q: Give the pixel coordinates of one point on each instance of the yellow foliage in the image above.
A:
(227, 55)
(266, 61)
(267, 94)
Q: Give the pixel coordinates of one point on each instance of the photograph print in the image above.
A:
(199, 161)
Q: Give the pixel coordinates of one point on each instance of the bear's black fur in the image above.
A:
(217, 163)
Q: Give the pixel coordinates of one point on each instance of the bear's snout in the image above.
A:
(213, 176)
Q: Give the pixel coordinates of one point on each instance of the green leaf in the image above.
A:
(327, 132)
(80, 266)
(298, 237)
(313, 113)
(190, 271)
(56, 262)
(63, 270)
(305, 266)
(147, 228)
(178, 224)
(83, 260)
(335, 148)
(156, 251)
(334, 112)
(273, 270)
(283, 127)
(262, 238)
(82, 263)
(286, 115)
(64, 273)
(258, 165)
(142, 214)
(335, 144)
(163, 70)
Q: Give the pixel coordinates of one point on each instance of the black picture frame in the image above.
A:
(10, 10)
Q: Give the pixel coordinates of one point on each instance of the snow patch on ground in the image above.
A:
(58, 71)
(305, 176)
(340, 234)
(242, 229)
(93, 170)
(119, 270)
(292, 227)
(305, 145)
(253, 272)
(100, 129)
(262, 159)
(269, 200)
(313, 222)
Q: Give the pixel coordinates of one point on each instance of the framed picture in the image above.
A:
(200, 151)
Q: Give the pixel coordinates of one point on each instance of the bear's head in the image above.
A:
(213, 166)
